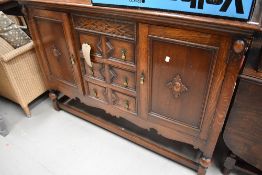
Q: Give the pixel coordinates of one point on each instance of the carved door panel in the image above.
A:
(182, 76)
(54, 40)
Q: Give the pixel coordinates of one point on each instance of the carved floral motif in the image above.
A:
(176, 86)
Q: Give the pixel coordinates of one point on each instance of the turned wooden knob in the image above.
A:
(239, 46)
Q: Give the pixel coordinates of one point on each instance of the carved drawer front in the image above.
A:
(94, 41)
(123, 78)
(106, 26)
(120, 50)
(97, 92)
(97, 71)
(124, 102)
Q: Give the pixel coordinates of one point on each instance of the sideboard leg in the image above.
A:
(204, 164)
(53, 96)
(229, 164)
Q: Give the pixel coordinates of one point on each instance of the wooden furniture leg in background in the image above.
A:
(204, 164)
(53, 96)
(229, 164)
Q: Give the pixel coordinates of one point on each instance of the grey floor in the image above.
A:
(57, 143)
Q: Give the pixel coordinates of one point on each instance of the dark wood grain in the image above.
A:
(194, 64)
(164, 71)
(260, 62)
(243, 132)
(52, 34)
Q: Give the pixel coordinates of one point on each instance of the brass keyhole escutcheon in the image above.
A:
(142, 79)
(123, 54)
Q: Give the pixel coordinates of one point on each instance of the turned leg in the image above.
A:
(27, 111)
(229, 164)
(204, 164)
(53, 97)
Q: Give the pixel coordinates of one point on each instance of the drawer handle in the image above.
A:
(142, 78)
(126, 82)
(92, 71)
(72, 59)
(95, 93)
(123, 54)
(127, 105)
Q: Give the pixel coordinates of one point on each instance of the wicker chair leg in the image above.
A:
(27, 111)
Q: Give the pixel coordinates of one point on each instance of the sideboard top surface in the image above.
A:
(153, 15)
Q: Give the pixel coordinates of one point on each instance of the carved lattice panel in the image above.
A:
(105, 26)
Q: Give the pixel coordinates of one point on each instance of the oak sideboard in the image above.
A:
(163, 80)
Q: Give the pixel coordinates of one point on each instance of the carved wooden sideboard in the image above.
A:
(169, 76)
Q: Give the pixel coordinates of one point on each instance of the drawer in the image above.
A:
(108, 26)
(94, 41)
(97, 92)
(124, 102)
(120, 50)
(123, 78)
(97, 71)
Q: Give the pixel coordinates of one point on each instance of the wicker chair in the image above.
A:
(20, 77)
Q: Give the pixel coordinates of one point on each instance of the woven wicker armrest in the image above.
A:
(16, 52)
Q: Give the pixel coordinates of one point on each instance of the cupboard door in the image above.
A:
(181, 80)
(55, 46)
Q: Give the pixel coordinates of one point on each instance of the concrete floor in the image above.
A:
(57, 143)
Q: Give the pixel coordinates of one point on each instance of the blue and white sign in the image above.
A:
(240, 9)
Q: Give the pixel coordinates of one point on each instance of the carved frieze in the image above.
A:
(105, 26)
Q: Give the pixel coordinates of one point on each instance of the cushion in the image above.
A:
(10, 32)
